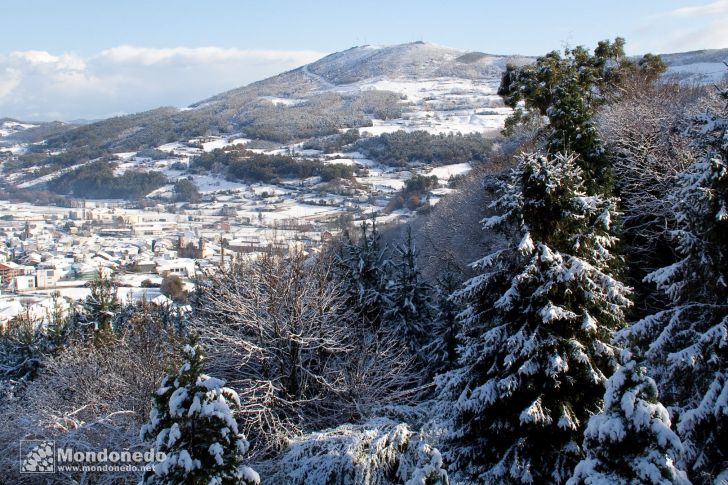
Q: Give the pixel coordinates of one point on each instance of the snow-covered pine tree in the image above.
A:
(442, 351)
(410, 311)
(192, 423)
(630, 441)
(99, 308)
(363, 275)
(536, 335)
(689, 340)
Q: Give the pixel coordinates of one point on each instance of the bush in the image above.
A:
(92, 396)
(173, 288)
(378, 452)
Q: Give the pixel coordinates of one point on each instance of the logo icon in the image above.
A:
(37, 456)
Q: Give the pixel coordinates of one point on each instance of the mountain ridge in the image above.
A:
(339, 81)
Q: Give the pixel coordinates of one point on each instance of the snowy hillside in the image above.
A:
(700, 67)
(10, 127)
(409, 61)
(441, 90)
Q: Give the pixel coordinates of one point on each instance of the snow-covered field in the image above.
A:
(699, 72)
(445, 172)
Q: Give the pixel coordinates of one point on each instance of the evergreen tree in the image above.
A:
(567, 89)
(688, 341)
(411, 311)
(443, 350)
(100, 307)
(57, 323)
(631, 440)
(22, 346)
(192, 423)
(537, 329)
(572, 129)
(363, 274)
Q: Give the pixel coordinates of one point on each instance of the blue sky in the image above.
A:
(89, 59)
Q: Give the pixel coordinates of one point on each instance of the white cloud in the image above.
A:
(9, 80)
(718, 7)
(683, 29)
(714, 36)
(149, 56)
(37, 85)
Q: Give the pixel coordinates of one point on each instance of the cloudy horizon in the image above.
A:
(42, 86)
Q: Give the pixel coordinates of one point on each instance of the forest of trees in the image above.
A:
(96, 180)
(401, 148)
(586, 343)
(247, 166)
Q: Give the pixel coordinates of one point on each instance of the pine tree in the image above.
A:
(363, 274)
(100, 307)
(192, 423)
(631, 440)
(443, 350)
(689, 340)
(57, 323)
(537, 329)
(410, 311)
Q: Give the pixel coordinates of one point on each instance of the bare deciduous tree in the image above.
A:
(277, 329)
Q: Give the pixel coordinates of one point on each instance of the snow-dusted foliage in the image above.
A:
(630, 441)
(571, 127)
(378, 452)
(410, 312)
(537, 330)
(646, 132)
(100, 307)
(689, 340)
(442, 351)
(281, 332)
(90, 397)
(567, 89)
(364, 274)
(192, 423)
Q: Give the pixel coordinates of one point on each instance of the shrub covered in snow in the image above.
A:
(91, 397)
(631, 440)
(378, 452)
(192, 423)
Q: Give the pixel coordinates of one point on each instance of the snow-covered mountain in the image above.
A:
(10, 126)
(372, 88)
(440, 89)
(416, 85)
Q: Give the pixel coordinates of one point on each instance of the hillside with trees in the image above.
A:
(248, 166)
(562, 319)
(96, 180)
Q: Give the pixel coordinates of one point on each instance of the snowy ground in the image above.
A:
(446, 172)
(10, 127)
